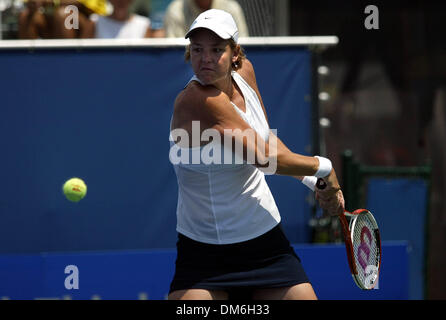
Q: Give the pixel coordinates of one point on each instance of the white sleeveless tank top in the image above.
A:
(225, 203)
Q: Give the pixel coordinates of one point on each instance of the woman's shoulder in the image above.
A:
(199, 103)
(247, 66)
(247, 73)
(199, 95)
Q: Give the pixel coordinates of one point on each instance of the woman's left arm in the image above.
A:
(285, 157)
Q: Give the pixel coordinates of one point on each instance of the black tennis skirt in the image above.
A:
(267, 261)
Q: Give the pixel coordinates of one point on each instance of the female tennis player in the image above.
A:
(230, 240)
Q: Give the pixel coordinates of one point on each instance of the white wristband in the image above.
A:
(324, 167)
(310, 182)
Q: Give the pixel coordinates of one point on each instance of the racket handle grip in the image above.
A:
(320, 184)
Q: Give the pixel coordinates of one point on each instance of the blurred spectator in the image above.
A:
(45, 19)
(181, 13)
(141, 7)
(121, 23)
(34, 22)
(86, 26)
(155, 10)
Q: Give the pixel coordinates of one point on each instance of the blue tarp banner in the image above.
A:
(103, 115)
(400, 206)
(146, 274)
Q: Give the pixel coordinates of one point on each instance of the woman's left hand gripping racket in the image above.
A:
(363, 245)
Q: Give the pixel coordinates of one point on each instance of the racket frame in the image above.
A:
(348, 229)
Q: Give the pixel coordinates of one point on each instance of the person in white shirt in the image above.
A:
(230, 240)
(121, 23)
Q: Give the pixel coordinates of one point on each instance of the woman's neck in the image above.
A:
(226, 85)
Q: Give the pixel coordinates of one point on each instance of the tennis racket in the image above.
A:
(363, 245)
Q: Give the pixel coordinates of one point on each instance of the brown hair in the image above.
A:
(234, 46)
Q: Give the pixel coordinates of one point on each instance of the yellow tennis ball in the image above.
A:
(75, 189)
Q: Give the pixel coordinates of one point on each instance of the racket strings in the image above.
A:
(366, 250)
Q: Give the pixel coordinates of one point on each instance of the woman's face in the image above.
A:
(211, 57)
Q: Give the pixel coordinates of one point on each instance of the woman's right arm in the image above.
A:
(216, 112)
(287, 160)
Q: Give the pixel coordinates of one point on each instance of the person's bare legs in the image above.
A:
(198, 294)
(303, 291)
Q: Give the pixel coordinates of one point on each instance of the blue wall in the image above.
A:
(400, 208)
(103, 115)
(147, 274)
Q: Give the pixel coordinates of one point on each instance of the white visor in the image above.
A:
(218, 21)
